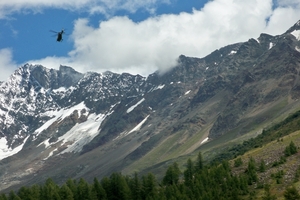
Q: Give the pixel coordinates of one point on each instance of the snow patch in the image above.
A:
(271, 45)
(134, 106)
(160, 87)
(296, 33)
(232, 52)
(5, 151)
(187, 92)
(297, 48)
(60, 115)
(205, 140)
(50, 154)
(157, 88)
(46, 143)
(138, 127)
(81, 134)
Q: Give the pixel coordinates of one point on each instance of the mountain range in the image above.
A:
(65, 124)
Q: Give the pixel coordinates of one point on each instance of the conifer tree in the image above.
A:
(119, 187)
(189, 172)
(12, 196)
(105, 183)
(251, 171)
(65, 193)
(98, 190)
(84, 191)
(291, 149)
(50, 190)
(149, 187)
(135, 186)
(268, 195)
(72, 185)
(199, 163)
(3, 197)
(238, 162)
(291, 193)
(262, 166)
(24, 193)
(172, 175)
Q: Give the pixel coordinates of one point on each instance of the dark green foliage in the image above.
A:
(289, 125)
(118, 187)
(50, 190)
(279, 162)
(268, 195)
(66, 193)
(291, 193)
(189, 172)
(84, 191)
(297, 175)
(199, 163)
(149, 186)
(198, 182)
(135, 187)
(172, 175)
(238, 162)
(13, 196)
(262, 166)
(98, 190)
(3, 197)
(251, 171)
(291, 149)
(278, 176)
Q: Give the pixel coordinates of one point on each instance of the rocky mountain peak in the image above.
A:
(68, 124)
(295, 27)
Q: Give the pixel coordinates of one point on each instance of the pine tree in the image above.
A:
(84, 191)
(119, 187)
(149, 187)
(105, 183)
(13, 196)
(65, 193)
(238, 162)
(262, 166)
(291, 193)
(98, 189)
(24, 193)
(72, 186)
(136, 187)
(199, 163)
(291, 149)
(189, 172)
(50, 190)
(3, 197)
(172, 175)
(251, 171)
(268, 195)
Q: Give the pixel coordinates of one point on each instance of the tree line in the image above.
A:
(197, 181)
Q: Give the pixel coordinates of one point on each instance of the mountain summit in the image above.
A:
(65, 124)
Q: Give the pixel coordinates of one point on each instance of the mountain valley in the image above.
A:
(65, 124)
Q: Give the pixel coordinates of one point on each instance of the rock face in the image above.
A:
(62, 123)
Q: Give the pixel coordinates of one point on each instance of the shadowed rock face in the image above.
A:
(86, 125)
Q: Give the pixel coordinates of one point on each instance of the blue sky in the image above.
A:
(132, 36)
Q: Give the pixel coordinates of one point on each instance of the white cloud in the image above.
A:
(7, 65)
(121, 45)
(106, 7)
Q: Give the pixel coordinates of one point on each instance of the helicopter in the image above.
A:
(59, 35)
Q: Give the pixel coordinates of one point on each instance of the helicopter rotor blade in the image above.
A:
(53, 31)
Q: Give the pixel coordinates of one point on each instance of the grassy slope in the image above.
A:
(271, 153)
(177, 147)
